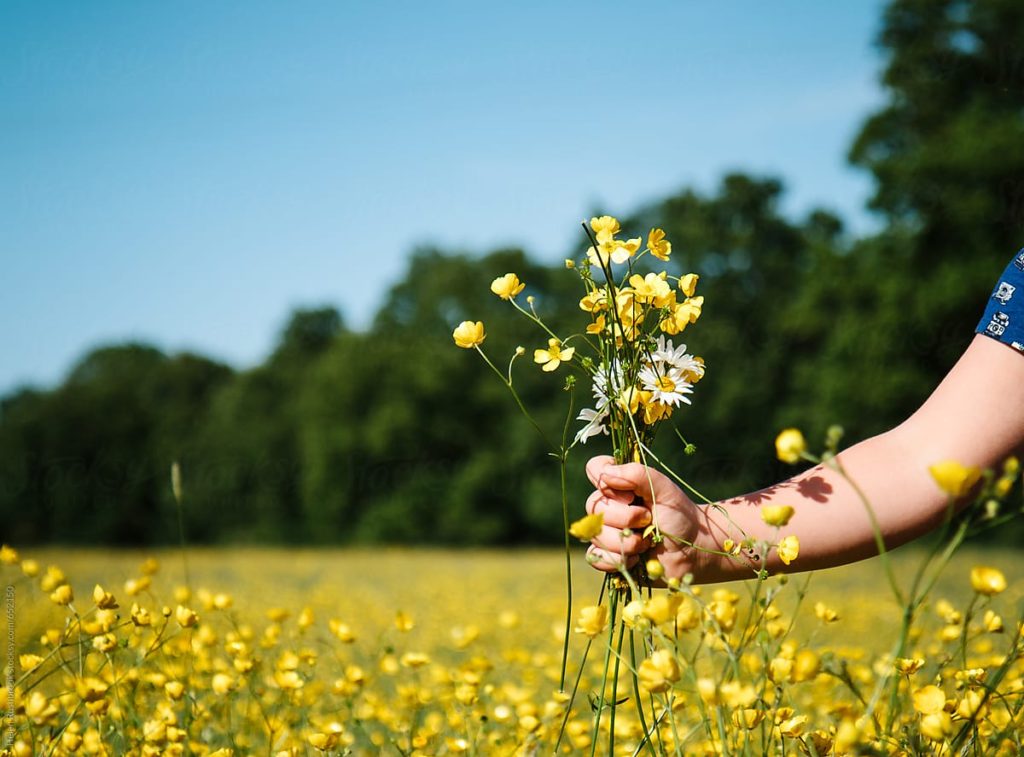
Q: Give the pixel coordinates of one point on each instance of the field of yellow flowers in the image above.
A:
(252, 651)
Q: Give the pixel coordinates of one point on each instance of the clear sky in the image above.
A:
(186, 173)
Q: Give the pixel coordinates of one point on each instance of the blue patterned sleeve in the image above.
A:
(1004, 315)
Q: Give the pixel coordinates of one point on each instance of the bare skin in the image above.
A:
(975, 417)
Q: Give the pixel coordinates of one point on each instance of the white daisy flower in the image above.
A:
(595, 424)
(601, 388)
(668, 387)
(676, 357)
(667, 353)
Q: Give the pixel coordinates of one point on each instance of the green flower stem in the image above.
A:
(668, 469)
(912, 604)
(639, 699)
(579, 675)
(615, 687)
(518, 400)
(568, 574)
(533, 317)
(613, 604)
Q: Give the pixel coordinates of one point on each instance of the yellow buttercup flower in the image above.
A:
(222, 683)
(54, 577)
(660, 247)
(736, 694)
(992, 622)
(987, 581)
(554, 355)
(658, 672)
(633, 615)
(780, 670)
(507, 286)
(696, 372)
(469, 334)
(140, 616)
(29, 661)
(790, 445)
(629, 248)
(929, 700)
(687, 616)
(971, 705)
(601, 255)
(661, 608)
(793, 727)
(788, 549)
(651, 288)
(688, 284)
(776, 515)
(404, 622)
(135, 586)
(415, 659)
(683, 314)
(655, 411)
(103, 599)
(592, 620)
(587, 527)
(614, 251)
(692, 307)
(723, 613)
(629, 399)
(824, 613)
(595, 300)
(655, 569)
(707, 690)
(806, 667)
(597, 326)
(629, 305)
(748, 718)
(953, 478)
(185, 616)
(323, 742)
(62, 595)
(908, 665)
(174, 689)
(937, 726)
(342, 630)
(605, 228)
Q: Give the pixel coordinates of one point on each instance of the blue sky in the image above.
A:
(187, 173)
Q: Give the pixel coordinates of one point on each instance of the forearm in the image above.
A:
(975, 417)
(832, 519)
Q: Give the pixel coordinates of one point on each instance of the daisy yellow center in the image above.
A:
(666, 384)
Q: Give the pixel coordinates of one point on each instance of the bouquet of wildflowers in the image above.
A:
(638, 370)
(640, 374)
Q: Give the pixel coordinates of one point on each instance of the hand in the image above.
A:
(634, 496)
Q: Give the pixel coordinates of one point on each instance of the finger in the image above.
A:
(614, 497)
(596, 466)
(613, 540)
(608, 562)
(645, 481)
(618, 514)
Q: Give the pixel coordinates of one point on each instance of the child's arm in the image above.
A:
(975, 417)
